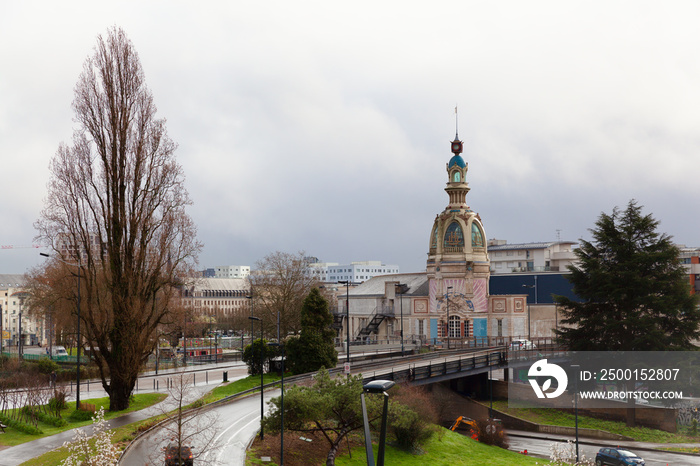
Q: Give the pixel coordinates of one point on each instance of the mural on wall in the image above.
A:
(474, 296)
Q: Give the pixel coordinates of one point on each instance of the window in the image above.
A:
(477, 237)
(453, 236)
(500, 327)
(457, 177)
(455, 328)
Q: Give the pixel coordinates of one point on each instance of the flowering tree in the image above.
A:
(95, 449)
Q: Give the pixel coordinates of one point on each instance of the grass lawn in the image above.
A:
(444, 448)
(560, 418)
(241, 385)
(140, 401)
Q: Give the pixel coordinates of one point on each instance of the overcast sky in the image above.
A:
(324, 127)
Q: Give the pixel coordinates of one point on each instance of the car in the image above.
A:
(522, 345)
(184, 458)
(617, 457)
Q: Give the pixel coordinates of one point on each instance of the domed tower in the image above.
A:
(458, 262)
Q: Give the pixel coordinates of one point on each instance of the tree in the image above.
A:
(115, 214)
(93, 450)
(190, 422)
(330, 407)
(633, 289)
(315, 347)
(251, 356)
(279, 284)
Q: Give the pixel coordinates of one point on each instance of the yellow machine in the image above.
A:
(468, 424)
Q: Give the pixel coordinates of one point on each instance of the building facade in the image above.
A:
(14, 315)
(553, 256)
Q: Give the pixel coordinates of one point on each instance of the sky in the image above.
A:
(325, 127)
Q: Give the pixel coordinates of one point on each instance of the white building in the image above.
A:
(358, 272)
(231, 271)
(553, 256)
(12, 305)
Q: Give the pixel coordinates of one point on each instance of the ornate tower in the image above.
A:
(458, 262)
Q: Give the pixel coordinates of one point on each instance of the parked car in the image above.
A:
(617, 457)
(173, 458)
(522, 345)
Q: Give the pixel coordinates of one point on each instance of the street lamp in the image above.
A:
(281, 345)
(262, 410)
(376, 386)
(77, 370)
(448, 316)
(528, 308)
(401, 288)
(576, 368)
(347, 321)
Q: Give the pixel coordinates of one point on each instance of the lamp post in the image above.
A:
(251, 322)
(19, 335)
(376, 386)
(401, 288)
(528, 307)
(281, 345)
(77, 369)
(448, 316)
(576, 368)
(262, 410)
(347, 321)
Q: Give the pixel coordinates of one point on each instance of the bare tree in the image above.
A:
(191, 424)
(280, 284)
(115, 214)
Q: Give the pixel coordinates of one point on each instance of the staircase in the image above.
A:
(378, 316)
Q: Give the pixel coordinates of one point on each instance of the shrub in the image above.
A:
(80, 415)
(413, 416)
(47, 366)
(21, 426)
(491, 432)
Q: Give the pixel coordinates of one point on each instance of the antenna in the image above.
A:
(456, 125)
(558, 234)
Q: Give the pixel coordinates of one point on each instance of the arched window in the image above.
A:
(477, 236)
(455, 327)
(453, 236)
(456, 176)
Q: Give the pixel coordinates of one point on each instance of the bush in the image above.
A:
(21, 426)
(47, 366)
(45, 418)
(413, 416)
(491, 432)
(80, 415)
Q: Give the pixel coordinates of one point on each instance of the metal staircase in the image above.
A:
(376, 319)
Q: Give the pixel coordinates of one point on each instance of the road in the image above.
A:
(541, 447)
(237, 424)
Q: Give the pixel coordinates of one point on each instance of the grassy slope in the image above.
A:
(559, 418)
(445, 448)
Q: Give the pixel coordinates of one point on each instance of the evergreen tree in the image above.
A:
(634, 292)
(315, 347)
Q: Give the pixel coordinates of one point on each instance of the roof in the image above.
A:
(222, 284)
(539, 245)
(11, 280)
(375, 286)
(457, 160)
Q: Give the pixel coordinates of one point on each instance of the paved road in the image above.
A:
(237, 424)
(539, 445)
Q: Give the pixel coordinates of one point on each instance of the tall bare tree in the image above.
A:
(115, 214)
(280, 283)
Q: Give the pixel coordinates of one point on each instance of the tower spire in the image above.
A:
(456, 124)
